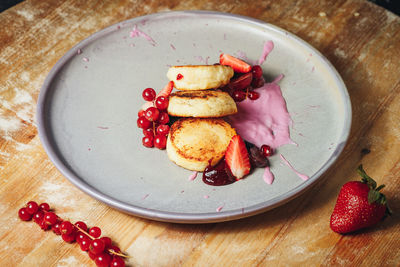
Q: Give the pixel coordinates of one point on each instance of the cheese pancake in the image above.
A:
(199, 77)
(201, 104)
(193, 142)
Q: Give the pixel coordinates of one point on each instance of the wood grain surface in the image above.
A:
(360, 39)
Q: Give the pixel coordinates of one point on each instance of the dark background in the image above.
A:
(4, 4)
(392, 5)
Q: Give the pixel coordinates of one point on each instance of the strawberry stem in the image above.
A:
(374, 195)
(365, 178)
(380, 187)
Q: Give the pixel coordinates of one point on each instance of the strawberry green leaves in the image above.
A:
(373, 195)
(365, 178)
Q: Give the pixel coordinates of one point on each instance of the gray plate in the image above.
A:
(88, 105)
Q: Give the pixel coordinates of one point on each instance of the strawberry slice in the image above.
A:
(236, 64)
(166, 91)
(146, 105)
(237, 158)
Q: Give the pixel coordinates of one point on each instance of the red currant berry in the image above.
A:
(179, 76)
(50, 218)
(117, 262)
(103, 260)
(148, 141)
(80, 236)
(91, 255)
(162, 103)
(66, 227)
(143, 123)
(239, 95)
(164, 118)
(149, 94)
(24, 214)
(56, 228)
(115, 249)
(257, 83)
(32, 207)
(43, 225)
(253, 95)
(163, 129)
(38, 216)
(44, 207)
(95, 232)
(84, 243)
(160, 141)
(81, 225)
(107, 241)
(147, 132)
(69, 238)
(266, 150)
(257, 71)
(152, 114)
(140, 113)
(97, 246)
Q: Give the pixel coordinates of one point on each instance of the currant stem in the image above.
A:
(118, 254)
(111, 251)
(83, 231)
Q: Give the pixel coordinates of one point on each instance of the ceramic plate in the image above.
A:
(87, 111)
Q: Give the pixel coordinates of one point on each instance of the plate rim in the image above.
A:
(180, 217)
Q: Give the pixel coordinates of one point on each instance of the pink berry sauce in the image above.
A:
(192, 176)
(302, 176)
(268, 47)
(138, 33)
(265, 121)
(268, 176)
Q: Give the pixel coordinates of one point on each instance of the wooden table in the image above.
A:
(360, 39)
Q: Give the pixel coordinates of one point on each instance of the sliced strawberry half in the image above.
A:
(237, 158)
(166, 91)
(146, 105)
(236, 64)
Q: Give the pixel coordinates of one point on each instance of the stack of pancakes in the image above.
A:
(201, 136)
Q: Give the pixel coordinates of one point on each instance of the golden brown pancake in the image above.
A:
(200, 77)
(201, 104)
(193, 142)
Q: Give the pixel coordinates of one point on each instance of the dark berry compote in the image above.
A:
(218, 175)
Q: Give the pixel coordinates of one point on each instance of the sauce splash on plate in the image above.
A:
(265, 120)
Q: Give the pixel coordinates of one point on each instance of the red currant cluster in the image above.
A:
(154, 120)
(242, 86)
(100, 249)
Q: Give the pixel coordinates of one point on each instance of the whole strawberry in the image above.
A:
(359, 205)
